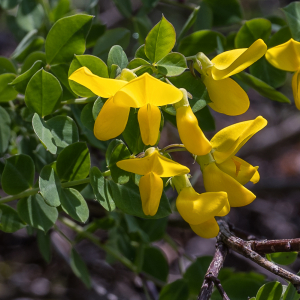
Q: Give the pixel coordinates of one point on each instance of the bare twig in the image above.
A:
(271, 246)
(212, 273)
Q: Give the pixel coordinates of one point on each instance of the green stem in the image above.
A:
(34, 191)
(78, 101)
(172, 146)
(175, 150)
(72, 225)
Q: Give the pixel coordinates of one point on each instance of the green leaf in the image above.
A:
(137, 62)
(155, 263)
(132, 133)
(66, 38)
(292, 14)
(74, 205)
(87, 117)
(270, 291)
(195, 273)
(189, 23)
(30, 15)
(117, 36)
(264, 71)
(205, 119)
(172, 64)
(117, 151)
(127, 198)
(251, 31)
(31, 59)
(61, 73)
(9, 4)
(118, 57)
(280, 37)
(44, 244)
(290, 293)
(43, 93)
(6, 66)
(79, 268)
(204, 18)
(98, 104)
(96, 31)
(160, 40)
(4, 130)
(101, 189)
(9, 219)
(29, 44)
(20, 83)
(73, 162)
(35, 212)
(195, 87)
(177, 290)
(18, 174)
(142, 26)
(225, 12)
(200, 41)
(7, 92)
(155, 229)
(261, 87)
(283, 258)
(50, 187)
(60, 10)
(57, 133)
(94, 64)
(140, 53)
(124, 7)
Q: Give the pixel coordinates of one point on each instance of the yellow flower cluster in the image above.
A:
(224, 174)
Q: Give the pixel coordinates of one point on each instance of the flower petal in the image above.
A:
(103, 87)
(227, 96)
(234, 61)
(228, 141)
(190, 133)
(296, 90)
(216, 180)
(151, 188)
(225, 210)
(208, 229)
(256, 177)
(147, 89)
(149, 117)
(238, 169)
(156, 163)
(111, 121)
(285, 56)
(198, 208)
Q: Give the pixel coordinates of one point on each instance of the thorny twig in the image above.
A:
(252, 250)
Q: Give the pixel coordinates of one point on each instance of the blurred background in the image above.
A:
(24, 275)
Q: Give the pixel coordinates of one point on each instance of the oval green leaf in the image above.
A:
(172, 64)
(7, 92)
(6, 66)
(9, 219)
(118, 57)
(4, 130)
(270, 291)
(283, 258)
(177, 290)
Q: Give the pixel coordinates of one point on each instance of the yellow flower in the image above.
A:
(226, 95)
(189, 131)
(199, 210)
(144, 92)
(153, 166)
(223, 171)
(287, 57)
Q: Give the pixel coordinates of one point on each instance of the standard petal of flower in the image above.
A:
(156, 163)
(225, 210)
(149, 118)
(190, 133)
(296, 90)
(111, 121)
(147, 89)
(285, 56)
(227, 96)
(234, 61)
(207, 230)
(238, 169)
(151, 188)
(198, 208)
(229, 140)
(216, 180)
(103, 87)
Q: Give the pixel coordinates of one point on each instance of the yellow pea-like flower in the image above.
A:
(226, 95)
(190, 133)
(223, 171)
(153, 166)
(286, 57)
(144, 92)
